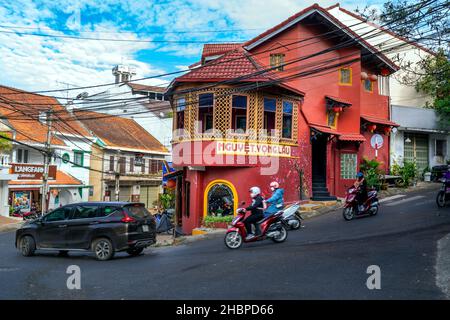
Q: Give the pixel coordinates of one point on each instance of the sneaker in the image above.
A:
(249, 236)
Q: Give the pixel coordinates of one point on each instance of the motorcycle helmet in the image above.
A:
(360, 175)
(254, 191)
(274, 185)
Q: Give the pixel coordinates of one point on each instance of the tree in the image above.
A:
(5, 144)
(436, 83)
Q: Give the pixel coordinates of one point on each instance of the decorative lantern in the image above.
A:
(171, 184)
(384, 72)
(336, 109)
(371, 127)
(341, 109)
(387, 130)
(364, 76)
(373, 77)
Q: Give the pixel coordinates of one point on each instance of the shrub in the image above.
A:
(211, 221)
(372, 172)
(407, 172)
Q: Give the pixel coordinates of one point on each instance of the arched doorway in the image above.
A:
(220, 199)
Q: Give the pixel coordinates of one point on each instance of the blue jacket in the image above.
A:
(275, 202)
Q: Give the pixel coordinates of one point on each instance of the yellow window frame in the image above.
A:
(364, 85)
(351, 76)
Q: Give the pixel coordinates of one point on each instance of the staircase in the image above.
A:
(320, 191)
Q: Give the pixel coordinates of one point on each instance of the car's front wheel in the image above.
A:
(103, 249)
(135, 251)
(27, 246)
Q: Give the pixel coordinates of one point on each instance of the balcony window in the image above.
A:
(22, 156)
(277, 60)
(78, 158)
(205, 111)
(287, 119)
(270, 108)
(181, 106)
(345, 76)
(368, 85)
(239, 113)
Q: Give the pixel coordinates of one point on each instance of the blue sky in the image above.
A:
(42, 63)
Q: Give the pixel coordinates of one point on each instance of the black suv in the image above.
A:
(101, 227)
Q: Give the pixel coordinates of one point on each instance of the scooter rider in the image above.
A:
(361, 185)
(276, 201)
(256, 209)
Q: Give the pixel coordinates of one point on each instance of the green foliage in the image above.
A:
(212, 219)
(408, 173)
(167, 200)
(436, 83)
(372, 172)
(5, 145)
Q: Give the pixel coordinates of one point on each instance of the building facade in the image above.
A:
(126, 160)
(271, 109)
(420, 138)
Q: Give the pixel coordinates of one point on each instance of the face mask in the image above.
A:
(272, 188)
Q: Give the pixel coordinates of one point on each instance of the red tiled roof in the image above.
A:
(340, 100)
(23, 109)
(324, 129)
(143, 87)
(234, 64)
(352, 137)
(331, 18)
(119, 132)
(62, 178)
(213, 49)
(379, 121)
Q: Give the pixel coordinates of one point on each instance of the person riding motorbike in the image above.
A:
(361, 186)
(256, 209)
(276, 202)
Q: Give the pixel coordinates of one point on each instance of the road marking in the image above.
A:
(404, 201)
(392, 197)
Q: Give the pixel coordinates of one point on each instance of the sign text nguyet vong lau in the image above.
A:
(252, 149)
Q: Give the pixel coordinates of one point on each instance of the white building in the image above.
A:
(142, 103)
(420, 137)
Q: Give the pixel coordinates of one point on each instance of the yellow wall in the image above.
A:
(95, 177)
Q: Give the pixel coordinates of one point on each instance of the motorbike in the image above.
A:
(444, 193)
(291, 216)
(272, 227)
(30, 215)
(351, 210)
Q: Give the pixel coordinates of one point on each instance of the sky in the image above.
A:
(155, 28)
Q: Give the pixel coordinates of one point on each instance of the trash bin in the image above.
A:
(427, 176)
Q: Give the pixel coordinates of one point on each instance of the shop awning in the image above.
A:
(380, 121)
(352, 137)
(337, 100)
(324, 129)
(173, 174)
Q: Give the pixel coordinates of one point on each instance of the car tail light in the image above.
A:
(127, 219)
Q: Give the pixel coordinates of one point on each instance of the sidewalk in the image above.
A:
(10, 223)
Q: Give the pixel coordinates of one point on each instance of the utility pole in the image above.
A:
(117, 176)
(47, 160)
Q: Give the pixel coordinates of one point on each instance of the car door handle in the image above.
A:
(62, 226)
(94, 222)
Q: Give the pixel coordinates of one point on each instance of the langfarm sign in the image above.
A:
(252, 149)
(27, 171)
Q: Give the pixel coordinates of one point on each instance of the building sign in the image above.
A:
(27, 171)
(252, 149)
(139, 160)
(376, 141)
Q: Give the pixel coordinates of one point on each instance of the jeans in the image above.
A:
(251, 220)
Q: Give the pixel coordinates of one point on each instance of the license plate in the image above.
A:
(145, 228)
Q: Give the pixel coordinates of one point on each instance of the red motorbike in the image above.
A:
(272, 227)
(351, 208)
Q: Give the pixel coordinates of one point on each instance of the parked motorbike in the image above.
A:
(351, 209)
(444, 193)
(30, 215)
(291, 216)
(272, 227)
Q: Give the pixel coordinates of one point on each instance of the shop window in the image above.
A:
(220, 200)
(440, 148)
(205, 111)
(180, 109)
(345, 76)
(368, 85)
(270, 108)
(111, 163)
(348, 165)
(22, 156)
(78, 158)
(277, 60)
(287, 119)
(239, 113)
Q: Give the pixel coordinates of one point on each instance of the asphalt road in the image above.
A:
(328, 259)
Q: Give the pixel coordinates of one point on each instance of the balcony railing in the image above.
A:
(4, 160)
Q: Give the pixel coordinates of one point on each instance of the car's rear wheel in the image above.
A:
(27, 246)
(103, 249)
(135, 251)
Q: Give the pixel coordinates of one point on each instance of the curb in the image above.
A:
(320, 211)
(208, 235)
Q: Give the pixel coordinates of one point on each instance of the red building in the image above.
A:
(299, 104)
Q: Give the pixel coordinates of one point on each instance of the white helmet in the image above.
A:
(254, 191)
